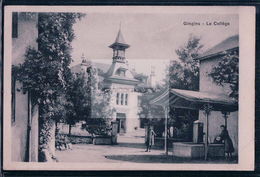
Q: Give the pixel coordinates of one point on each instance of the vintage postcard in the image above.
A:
(128, 88)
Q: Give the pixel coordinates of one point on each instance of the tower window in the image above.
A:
(126, 99)
(117, 98)
(122, 98)
(121, 53)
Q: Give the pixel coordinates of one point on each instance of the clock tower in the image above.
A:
(119, 47)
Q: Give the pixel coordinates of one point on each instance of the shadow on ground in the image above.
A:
(138, 146)
(167, 159)
(131, 145)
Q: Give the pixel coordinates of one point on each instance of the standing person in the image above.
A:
(229, 148)
(150, 139)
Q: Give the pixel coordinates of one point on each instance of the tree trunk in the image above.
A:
(69, 129)
(51, 142)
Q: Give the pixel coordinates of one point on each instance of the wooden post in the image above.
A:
(225, 115)
(29, 109)
(166, 130)
(207, 136)
(207, 110)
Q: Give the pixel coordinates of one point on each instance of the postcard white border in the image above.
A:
(246, 88)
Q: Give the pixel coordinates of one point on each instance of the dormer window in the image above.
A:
(122, 73)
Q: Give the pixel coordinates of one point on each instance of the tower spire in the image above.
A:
(119, 47)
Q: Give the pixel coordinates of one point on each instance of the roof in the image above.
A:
(120, 38)
(228, 44)
(103, 67)
(133, 72)
(125, 80)
(141, 75)
(119, 41)
(195, 100)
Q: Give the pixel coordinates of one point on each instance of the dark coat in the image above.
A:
(150, 138)
(229, 148)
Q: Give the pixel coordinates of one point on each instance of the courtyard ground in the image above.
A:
(128, 149)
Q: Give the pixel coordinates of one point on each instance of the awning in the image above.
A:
(187, 99)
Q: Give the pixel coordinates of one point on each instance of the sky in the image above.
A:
(153, 37)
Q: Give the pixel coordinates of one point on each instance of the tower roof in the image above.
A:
(119, 41)
(120, 38)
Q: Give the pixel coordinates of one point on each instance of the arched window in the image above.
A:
(122, 98)
(126, 99)
(117, 98)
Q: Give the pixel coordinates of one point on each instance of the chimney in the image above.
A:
(133, 69)
(83, 64)
(152, 77)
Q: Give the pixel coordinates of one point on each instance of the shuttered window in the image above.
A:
(122, 98)
(126, 99)
(15, 25)
(117, 98)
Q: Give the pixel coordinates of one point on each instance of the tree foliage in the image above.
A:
(77, 96)
(184, 73)
(146, 110)
(100, 110)
(150, 113)
(45, 71)
(87, 101)
(227, 72)
(182, 122)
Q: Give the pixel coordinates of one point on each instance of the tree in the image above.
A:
(184, 74)
(150, 113)
(45, 71)
(77, 96)
(227, 72)
(100, 111)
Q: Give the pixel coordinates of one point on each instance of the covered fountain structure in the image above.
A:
(208, 102)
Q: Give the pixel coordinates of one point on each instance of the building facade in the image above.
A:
(24, 133)
(208, 60)
(125, 84)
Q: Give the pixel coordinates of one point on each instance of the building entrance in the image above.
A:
(121, 118)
